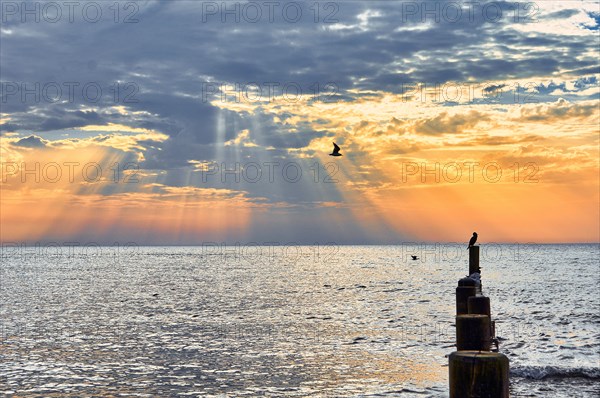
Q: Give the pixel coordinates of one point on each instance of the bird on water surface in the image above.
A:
(336, 150)
(473, 240)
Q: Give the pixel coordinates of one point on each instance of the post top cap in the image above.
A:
(478, 354)
(467, 282)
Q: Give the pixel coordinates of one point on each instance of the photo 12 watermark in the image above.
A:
(69, 172)
(471, 92)
(89, 92)
(265, 92)
(268, 172)
(270, 252)
(285, 12)
(70, 12)
(469, 172)
(468, 11)
(490, 252)
(66, 250)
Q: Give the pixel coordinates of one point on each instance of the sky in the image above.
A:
(187, 122)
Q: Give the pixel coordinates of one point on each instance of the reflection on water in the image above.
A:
(366, 321)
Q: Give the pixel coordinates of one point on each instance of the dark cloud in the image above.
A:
(8, 128)
(31, 142)
(494, 87)
(562, 14)
(72, 119)
(560, 110)
(449, 124)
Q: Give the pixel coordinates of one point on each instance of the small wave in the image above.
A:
(545, 372)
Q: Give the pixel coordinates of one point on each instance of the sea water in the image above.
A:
(287, 320)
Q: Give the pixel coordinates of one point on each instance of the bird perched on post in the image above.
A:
(473, 240)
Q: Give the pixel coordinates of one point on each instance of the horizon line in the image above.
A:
(270, 243)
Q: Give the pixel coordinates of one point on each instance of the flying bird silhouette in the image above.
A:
(473, 240)
(414, 257)
(336, 150)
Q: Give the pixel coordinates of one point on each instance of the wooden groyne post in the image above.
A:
(473, 259)
(475, 371)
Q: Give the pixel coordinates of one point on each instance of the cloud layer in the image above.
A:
(238, 103)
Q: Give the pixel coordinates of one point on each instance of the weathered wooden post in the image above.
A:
(473, 332)
(466, 288)
(473, 259)
(475, 374)
(479, 305)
